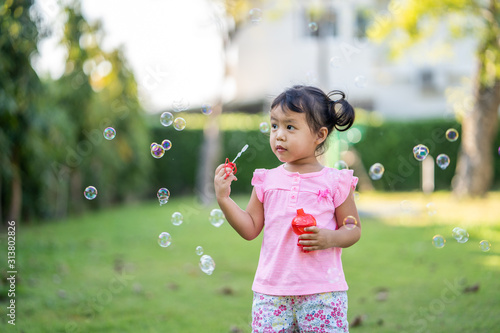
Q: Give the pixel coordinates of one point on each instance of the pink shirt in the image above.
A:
(284, 269)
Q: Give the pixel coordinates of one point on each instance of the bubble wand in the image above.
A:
(231, 166)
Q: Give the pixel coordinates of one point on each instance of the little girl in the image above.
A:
(298, 288)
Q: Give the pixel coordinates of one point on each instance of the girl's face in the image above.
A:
(292, 140)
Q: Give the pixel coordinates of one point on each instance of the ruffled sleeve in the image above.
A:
(259, 176)
(345, 182)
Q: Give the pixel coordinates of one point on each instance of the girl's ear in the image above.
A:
(321, 135)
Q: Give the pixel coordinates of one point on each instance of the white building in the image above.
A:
(279, 52)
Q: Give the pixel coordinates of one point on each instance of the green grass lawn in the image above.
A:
(104, 271)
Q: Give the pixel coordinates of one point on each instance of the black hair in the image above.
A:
(320, 109)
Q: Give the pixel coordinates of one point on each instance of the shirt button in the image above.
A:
(293, 196)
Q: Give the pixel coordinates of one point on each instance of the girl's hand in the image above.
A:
(223, 186)
(316, 239)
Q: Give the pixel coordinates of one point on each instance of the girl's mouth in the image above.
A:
(280, 149)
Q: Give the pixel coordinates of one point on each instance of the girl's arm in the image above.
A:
(248, 223)
(320, 239)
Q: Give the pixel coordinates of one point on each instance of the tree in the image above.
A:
(227, 16)
(418, 19)
(19, 87)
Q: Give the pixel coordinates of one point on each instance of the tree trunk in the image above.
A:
(474, 173)
(209, 157)
(16, 191)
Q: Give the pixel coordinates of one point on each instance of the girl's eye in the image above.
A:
(289, 127)
(274, 126)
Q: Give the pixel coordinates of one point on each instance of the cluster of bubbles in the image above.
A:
(216, 218)
(420, 151)
(158, 150)
(179, 123)
(163, 195)
(207, 264)
(461, 236)
(376, 171)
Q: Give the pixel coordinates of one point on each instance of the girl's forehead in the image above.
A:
(285, 114)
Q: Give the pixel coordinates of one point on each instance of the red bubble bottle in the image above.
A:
(301, 221)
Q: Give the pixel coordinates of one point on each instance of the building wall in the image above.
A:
(278, 53)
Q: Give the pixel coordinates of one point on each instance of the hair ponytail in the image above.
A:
(342, 112)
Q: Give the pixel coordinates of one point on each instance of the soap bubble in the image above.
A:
(164, 239)
(420, 152)
(216, 217)
(199, 250)
(407, 206)
(438, 241)
(335, 62)
(163, 196)
(452, 135)
(313, 26)
(341, 165)
(255, 15)
(180, 104)
(484, 245)
(350, 222)
(177, 218)
(109, 133)
(206, 109)
(179, 123)
(90, 192)
(360, 81)
(376, 171)
(207, 264)
(431, 208)
(264, 127)
(442, 160)
(166, 144)
(157, 150)
(460, 234)
(166, 118)
(152, 145)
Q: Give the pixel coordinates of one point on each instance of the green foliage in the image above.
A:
(391, 144)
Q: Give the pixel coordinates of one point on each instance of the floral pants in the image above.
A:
(324, 312)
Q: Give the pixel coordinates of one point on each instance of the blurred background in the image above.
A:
(71, 69)
(417, 72)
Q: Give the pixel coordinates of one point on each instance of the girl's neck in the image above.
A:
(314, 166)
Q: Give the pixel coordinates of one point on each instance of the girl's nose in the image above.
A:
(280, 135)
